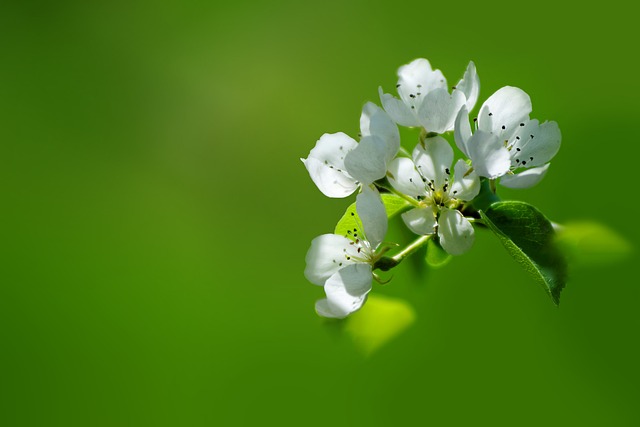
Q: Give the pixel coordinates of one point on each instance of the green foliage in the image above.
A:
(380, 320)
(350, 220)
(588, 243)
(436, 257)
(529, 238)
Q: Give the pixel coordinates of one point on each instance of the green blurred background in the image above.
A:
(155, 217)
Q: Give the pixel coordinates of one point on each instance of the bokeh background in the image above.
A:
(155, 217)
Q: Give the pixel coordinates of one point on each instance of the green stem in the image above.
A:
(405, 152)
(392, 190)
(411, 248)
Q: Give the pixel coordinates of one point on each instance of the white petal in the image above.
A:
(373, 215)
(417, 79)
(455, 231)
(324, 309)
(489, 155)
(439, 109)
(420, 220)
(432, 158)
(525, 179)
(470, 85)
(466, 185)
(327, 254)
(535, 145)
(374, 121)
(398, 111)
(462, 130)
(347, 289)
(367, 162)
(404, 177)
(503, 112)
(326, 165)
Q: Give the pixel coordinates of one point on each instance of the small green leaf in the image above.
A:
(394, 204)
(350, 220)
(380, 320)
(589, 243)
(436, 257)
(529, 238)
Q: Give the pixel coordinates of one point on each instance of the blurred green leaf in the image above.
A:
(529, 238)
(591, 243)
(378, 322)
(436, 257)
(350, 220)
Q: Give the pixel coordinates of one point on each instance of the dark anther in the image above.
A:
(524, 162)
(521, 124)
(475, 119)
(359, 249)
(398, 85)
(518, 149)
(447, 171)
(531, 158)
(353, 214)
(531, 136)
(490, 114)
(517, 137)
(503, 127)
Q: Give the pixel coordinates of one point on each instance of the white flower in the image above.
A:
(425, 100)
(507, 143)
(344, 264)
(338, 165)
(429, 180)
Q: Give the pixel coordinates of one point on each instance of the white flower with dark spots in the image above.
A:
(424, 97)
(344, 264)
(338, 165)
(507, 143)
(438, 191)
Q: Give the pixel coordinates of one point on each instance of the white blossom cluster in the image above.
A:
(503, 144)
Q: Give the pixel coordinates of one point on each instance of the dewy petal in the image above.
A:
(417, 79)
(535, 145)
(489, 155)
(455, 231)
(439, 110)
(373, 215)
(326, 165)
(470, 85)
(466, 185)
(399, 112)
(404, 177)
(420, 220)
(327, 254)
(374, 121)
(503, 112)
(433, 157)
(347, 289)
(462, 130)
(525, 179)
(366, 163)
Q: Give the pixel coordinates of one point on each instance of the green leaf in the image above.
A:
(529, 238)
(436, 257)
(380, 320)
(393, 205)
(589, 243)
